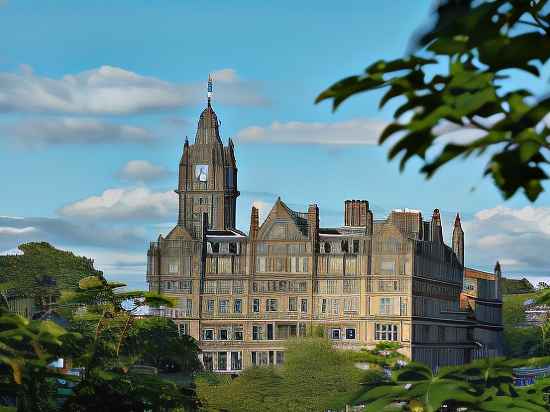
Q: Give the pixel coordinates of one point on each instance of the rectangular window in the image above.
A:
(385, 332)
(186, 286)
(236, 361)
(238, 333)
(403, 306)
(208, 334)
(260, 264)
(386, 306)
(270, 331)
(224, 306)
(387, 266)
(356, 246)
(210, 286)
(323, 306)
(238, 287)
(208, 361)
(188, 307)
(222, 361)
(173, 268)
(335, 334)
(238, 306)
(257, 333)
(280, 357)
(331, 287)
(224, 265)
(351, 286)
(335, 307)
(350, 333)
(350, 304)
(292, 304)
(183, 328)
(233, 247)
(223, 334)
(305, 264)
(303, 305)
(256, 305)
(210, 305)
(271, 305)
(224, 287)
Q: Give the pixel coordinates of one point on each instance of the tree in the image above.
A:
(456, 78)
(483, 385)
(156, 342)
(256, 389)
(106, 319)
(317, 376)
(314, 377)
(418, 384)
(26, 349)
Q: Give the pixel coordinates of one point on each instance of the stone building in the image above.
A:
(241, 295)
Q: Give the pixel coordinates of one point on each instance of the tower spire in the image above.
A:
(209, 89)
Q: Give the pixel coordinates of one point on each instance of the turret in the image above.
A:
(458, 240)
(498, 280)
(437, 232)
(207, 177)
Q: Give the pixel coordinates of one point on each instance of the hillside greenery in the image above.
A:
(42, 266)
(516, 286)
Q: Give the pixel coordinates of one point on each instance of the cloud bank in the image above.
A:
(109, 90)
(142, 171)
(66, 130)
(352, 132)
(124, 204)
(518, 238)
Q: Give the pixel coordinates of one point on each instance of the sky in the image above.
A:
(97, 97)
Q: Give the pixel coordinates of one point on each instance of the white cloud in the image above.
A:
(11, 252)
(11, 231)
(115, 91)
(518, 237)
(118, 203)
(66, 130)
(263, 209)
(62, 231)
(352, 132)
(142, 171)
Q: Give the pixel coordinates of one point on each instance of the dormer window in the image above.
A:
(215, 247)
(344, 246)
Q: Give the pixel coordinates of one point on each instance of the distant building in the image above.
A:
(368, 281)
(535, 313)
(482, 297)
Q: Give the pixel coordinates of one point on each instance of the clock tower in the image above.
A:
(207, 178)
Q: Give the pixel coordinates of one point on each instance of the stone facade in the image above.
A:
(366, 282)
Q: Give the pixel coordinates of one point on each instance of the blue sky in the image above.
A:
(96, 99)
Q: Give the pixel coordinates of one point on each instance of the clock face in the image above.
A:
(201, 173)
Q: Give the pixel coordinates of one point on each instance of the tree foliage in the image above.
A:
(314, 377)
(456, 78)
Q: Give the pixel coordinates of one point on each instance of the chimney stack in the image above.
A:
(356, 213)
(254, 222)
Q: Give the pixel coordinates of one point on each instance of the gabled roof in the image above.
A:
(299, 219)
(179, 232)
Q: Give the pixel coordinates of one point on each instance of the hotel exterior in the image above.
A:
(370, 280)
